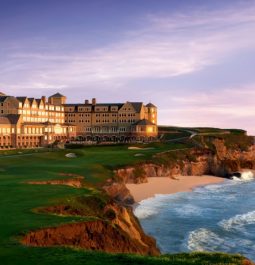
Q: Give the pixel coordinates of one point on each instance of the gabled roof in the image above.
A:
(137, 106)
(150, 105)
(38, 101)
(57, 95)
(144, 122)
(21, 99)
(31, 100)
(3, 98)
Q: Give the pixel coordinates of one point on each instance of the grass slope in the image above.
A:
(18, 199)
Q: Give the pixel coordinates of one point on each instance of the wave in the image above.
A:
(189, 210)
(144, 212)
(152, 206)
(238, 221)
(245, 176)
(203, 239)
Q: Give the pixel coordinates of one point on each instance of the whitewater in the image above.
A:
(218, 217)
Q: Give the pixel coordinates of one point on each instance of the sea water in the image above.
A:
(218, 217)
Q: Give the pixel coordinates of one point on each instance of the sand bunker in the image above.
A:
(71, 155)
(140, 148)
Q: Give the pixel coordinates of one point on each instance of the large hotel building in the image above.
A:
(29, 122)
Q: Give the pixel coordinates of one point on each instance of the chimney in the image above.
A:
(44, 99)
(86, 101)
(94, 101)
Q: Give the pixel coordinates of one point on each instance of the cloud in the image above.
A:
(232, 107)
(165, 46)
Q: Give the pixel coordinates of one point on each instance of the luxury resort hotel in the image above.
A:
(29, 122)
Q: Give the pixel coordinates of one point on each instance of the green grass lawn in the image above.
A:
(18, 199)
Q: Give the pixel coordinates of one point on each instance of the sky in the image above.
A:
(194, 59)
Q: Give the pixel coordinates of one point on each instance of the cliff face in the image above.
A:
(221, 162)
(228, 160)
(116, 229)
(120, 233)
(119, 192)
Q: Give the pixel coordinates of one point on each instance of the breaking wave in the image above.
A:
(151, 206)
(218, 217)
(238, 221)
(245, 176)
(144, 212)
(203, 240)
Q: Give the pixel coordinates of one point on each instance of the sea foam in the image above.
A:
(245, 176)
(143, 212)
(218, 217)
(238, 221)
(203, 239)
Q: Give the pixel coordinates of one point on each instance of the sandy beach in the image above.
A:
(164, 185)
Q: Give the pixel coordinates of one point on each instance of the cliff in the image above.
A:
(218, 161)
(118, 232)
(114, 227)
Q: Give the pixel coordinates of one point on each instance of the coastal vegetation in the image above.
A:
(28, 207)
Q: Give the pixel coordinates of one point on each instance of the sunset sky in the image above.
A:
(194, 59)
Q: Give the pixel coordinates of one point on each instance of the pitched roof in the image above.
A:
(3, 98)
(31, 100)
(150, 105)
(57, 95)
(21, 99)
(2, 94)
(144, 122)
(38, 100)
(137, 106)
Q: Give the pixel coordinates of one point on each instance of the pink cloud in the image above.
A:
(232, 108)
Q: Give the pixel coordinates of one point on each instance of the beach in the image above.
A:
(213, 218)
(165, 185)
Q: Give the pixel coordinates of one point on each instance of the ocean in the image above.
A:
(218, 217)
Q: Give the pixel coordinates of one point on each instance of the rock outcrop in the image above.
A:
(121, 233)
(221, 162)
(119, 192)
(116, 229)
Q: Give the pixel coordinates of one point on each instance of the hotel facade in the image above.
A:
(29, 122)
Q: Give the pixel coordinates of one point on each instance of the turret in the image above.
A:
(152, 114)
